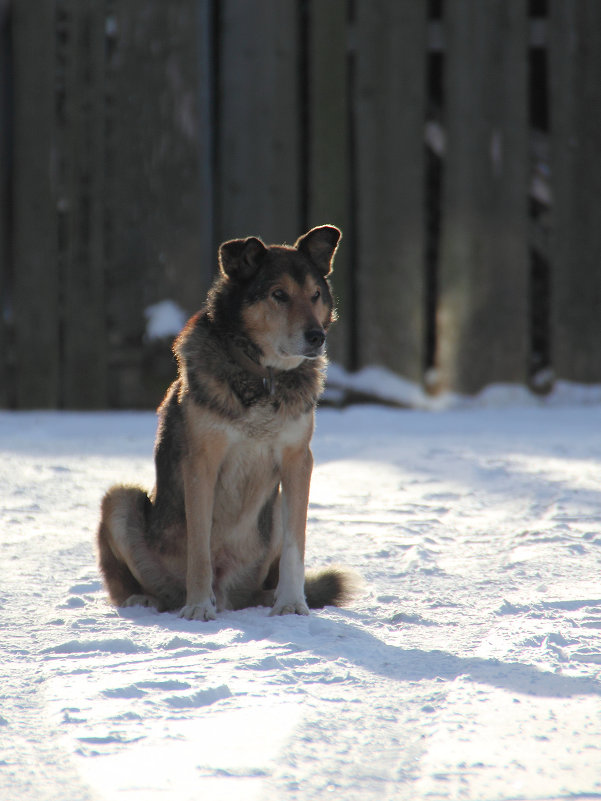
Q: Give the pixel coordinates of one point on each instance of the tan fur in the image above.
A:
(277, 327)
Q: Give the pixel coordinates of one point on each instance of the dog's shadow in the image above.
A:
(347, 640)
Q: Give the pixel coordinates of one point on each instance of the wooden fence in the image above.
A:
(455, 143)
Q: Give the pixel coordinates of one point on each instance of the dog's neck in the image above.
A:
(243, 360)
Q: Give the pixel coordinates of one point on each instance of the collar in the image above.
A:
(243, 360)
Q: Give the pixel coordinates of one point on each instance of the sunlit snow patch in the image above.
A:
(164, 319)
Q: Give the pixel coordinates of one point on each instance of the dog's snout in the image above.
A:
(315, 337)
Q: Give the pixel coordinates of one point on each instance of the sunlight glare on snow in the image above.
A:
(225, 754)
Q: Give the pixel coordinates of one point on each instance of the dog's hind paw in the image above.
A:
(285, 607)
(141, 600)
(205, 610)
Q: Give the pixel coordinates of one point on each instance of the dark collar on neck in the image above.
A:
(243, 360)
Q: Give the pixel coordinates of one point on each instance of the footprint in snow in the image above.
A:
(85, 586)
(587, 655)
(139, 689)
(411, 619)
(195, 700)
(198, 699)
(112, 646)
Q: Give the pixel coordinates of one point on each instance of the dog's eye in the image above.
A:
(316, 296)
(280, 296)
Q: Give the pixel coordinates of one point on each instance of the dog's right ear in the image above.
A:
(239, 259)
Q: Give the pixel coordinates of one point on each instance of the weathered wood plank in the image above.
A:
(328, 184)
(575, 87)
(130, 123)
(83, 167)
(258, 128)
(482, 320)
(159, 239)
(205, 49)
(390, 62)
(36, 289)
(5, 254)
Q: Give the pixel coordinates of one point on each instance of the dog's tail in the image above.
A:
(332, 586)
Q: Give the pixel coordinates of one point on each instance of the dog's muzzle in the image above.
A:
(315, 339)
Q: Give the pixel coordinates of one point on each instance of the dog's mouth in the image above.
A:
(314, 354)
(306, 352)
(311, 344)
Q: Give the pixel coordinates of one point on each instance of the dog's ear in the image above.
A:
(320, 245)
(240, 259)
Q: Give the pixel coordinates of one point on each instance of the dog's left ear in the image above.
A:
(240, 258)
(320, 245)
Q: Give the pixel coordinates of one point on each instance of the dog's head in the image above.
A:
(278, 296)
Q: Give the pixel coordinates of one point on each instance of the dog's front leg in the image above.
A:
(200, 471)
(297, 465)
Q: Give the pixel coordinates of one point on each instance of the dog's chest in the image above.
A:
(258, 444)
(252, 465)
(261, 426)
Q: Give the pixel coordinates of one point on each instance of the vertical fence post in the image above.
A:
(82, 171)
(328, 165)
(575, 66)
(258, 128)
(389, 116)
(36, 293)
(482, 319)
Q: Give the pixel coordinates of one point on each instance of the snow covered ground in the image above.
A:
(468, 667)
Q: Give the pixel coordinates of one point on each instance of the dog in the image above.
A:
(224, 527)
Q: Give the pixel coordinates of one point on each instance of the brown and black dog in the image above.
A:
(224, 527)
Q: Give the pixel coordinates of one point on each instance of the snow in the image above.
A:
(381, 385)
(467, 668)
(164, 319)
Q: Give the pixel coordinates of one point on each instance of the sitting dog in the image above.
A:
(224, 527)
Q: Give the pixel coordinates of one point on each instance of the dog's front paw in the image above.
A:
(205, 610)
(286, 606)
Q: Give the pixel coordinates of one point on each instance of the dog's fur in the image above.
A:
(224, 527)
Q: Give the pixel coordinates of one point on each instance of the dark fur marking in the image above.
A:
(329, 587)
(265, 521)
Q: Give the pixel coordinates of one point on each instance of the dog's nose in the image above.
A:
(315, 337)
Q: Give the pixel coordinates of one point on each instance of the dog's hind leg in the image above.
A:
(132, 572)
